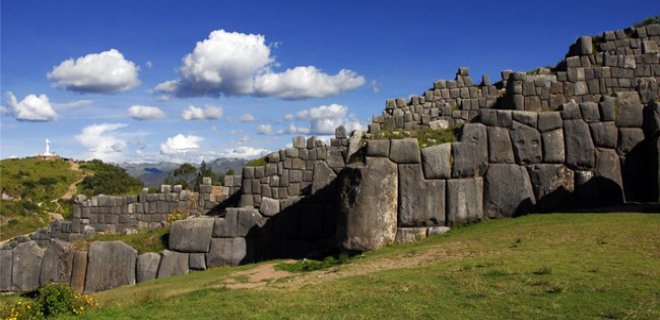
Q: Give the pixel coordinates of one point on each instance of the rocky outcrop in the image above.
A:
(109, 265)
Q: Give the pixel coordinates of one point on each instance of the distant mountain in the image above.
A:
(154, 174)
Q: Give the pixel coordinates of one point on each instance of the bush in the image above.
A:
(51, 300)
(260, 162)
(108, 179)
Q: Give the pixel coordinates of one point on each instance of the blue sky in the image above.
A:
(193, 80)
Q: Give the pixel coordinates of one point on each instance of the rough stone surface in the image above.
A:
(368, 201)
(147, 266)
(553, 146)
(323, 176)
(5, 270)
(553, 185)
(604, 134)
(378, 148)
(507, 191)
(191, 235)
(608, 177)
(110, 264)
(436, 161)
(172, 264)
(421, 201)
(408, 235)
(549, 121)
(57, 263)
(499, 145)
(269, 207)
(197, 261)
(607, 106)
(26, 266)
(464, 200)
(526, 143)
(404, 151)
(79, 270)
(471, 153)
(432, 231)
(629, 110)
(580, 150)
(226, 251)
(589, 111)
(628, 139)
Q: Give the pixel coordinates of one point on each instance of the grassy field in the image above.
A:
(555, 266)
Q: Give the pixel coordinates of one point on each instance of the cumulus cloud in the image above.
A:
(103, 141)
(264, 129)
(31, 108)
(244, 152)
(239, 64)
(139, 112)
(375, 86)
(198, 113)
(323, 120)
(246, 117)
(104, 72)
(74, 104)
(180, 144)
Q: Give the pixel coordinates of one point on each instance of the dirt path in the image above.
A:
(72, 190)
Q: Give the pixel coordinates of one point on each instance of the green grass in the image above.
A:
(555, 266)
(313, 265)
(108, 179)
(425, 136)
(37, 180)
(17, 218)
(259, 162)
(145, 240)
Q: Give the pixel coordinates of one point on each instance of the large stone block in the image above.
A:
(368, 202)
(226, 251)
(378, 148)
(26, 266)
(323, 176)
(507, 191)
(549, 121)
(269, 207)
(464, 201)
(608, 179)
(471, 153)
(553, 146)
(421, 201)
(553, 185)
(172, 264)
(5, 269)
(110, 264)
(238, 222)
(499, 145)
(57, 263)
(147, 266)
(629, 138)
(629, 109)
(607, 107)
(580, 150)
(408, 235)
(604, 134)
(191, 235)
(405, 151)
(79, 270)
(526, 143)
(437, 161)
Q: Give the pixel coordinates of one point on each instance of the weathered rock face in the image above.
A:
(421, 201)
(57, 263)
(79, 270)
(173, 264)
(471, 153)
(464, 200)
(5, 270)
(110, 264)
(499, 145)
(437, 161)
(526, 144)
(553, 146)
(323, 176)
(368, 201)
(404, 151)
(26, 266)
(226, 251)
(191, 235)
(238, 222)
(630, 109)
(507, 191)
(553, 185)
(580, 150)
(147, 266)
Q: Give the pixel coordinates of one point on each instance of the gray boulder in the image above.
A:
(269, 207)
(226, 251)
(147, 266)
(110, 264)
(436, 161)
(238, 222)
(608, 177)
(354, 144)
(422, 202)
(404, 151)
(507, 191)
(79, 270)
(628, 139)
(197, 261)
(604, 134)
(580, 150)
(553, 146)
(607, 107)
(323, 176)
(57, 263)
(499, 145)
(378, 148)
(191, 235)
(5, 270)
(368, 202)
(589, 111)
(408, 235)
(471, 153)
(553, 185)
(549, 121)
(172, 264)
(629, 109)
(526, 143)
(464, 200)
(26, 266)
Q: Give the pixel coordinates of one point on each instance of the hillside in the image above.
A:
(578, 266)
(34, 190)
(154, 174)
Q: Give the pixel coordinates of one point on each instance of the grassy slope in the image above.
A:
(578, 266)
(32, 181)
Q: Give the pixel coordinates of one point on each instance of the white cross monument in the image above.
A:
(47, 153)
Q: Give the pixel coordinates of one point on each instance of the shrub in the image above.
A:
(51, 300)
(257, 162)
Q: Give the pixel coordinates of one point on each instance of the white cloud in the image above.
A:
(306, 82)
(138, 112)
(375, 86)
(244, 152)
(246, 117)
(293, 129)
(104, 72)
(73, 104)
(149, 64)
(103, 141)
(180, 144)
(198, 113)
(323, 120)
(323, 112)
(239, 64)
(264, 129)
(31, 108)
